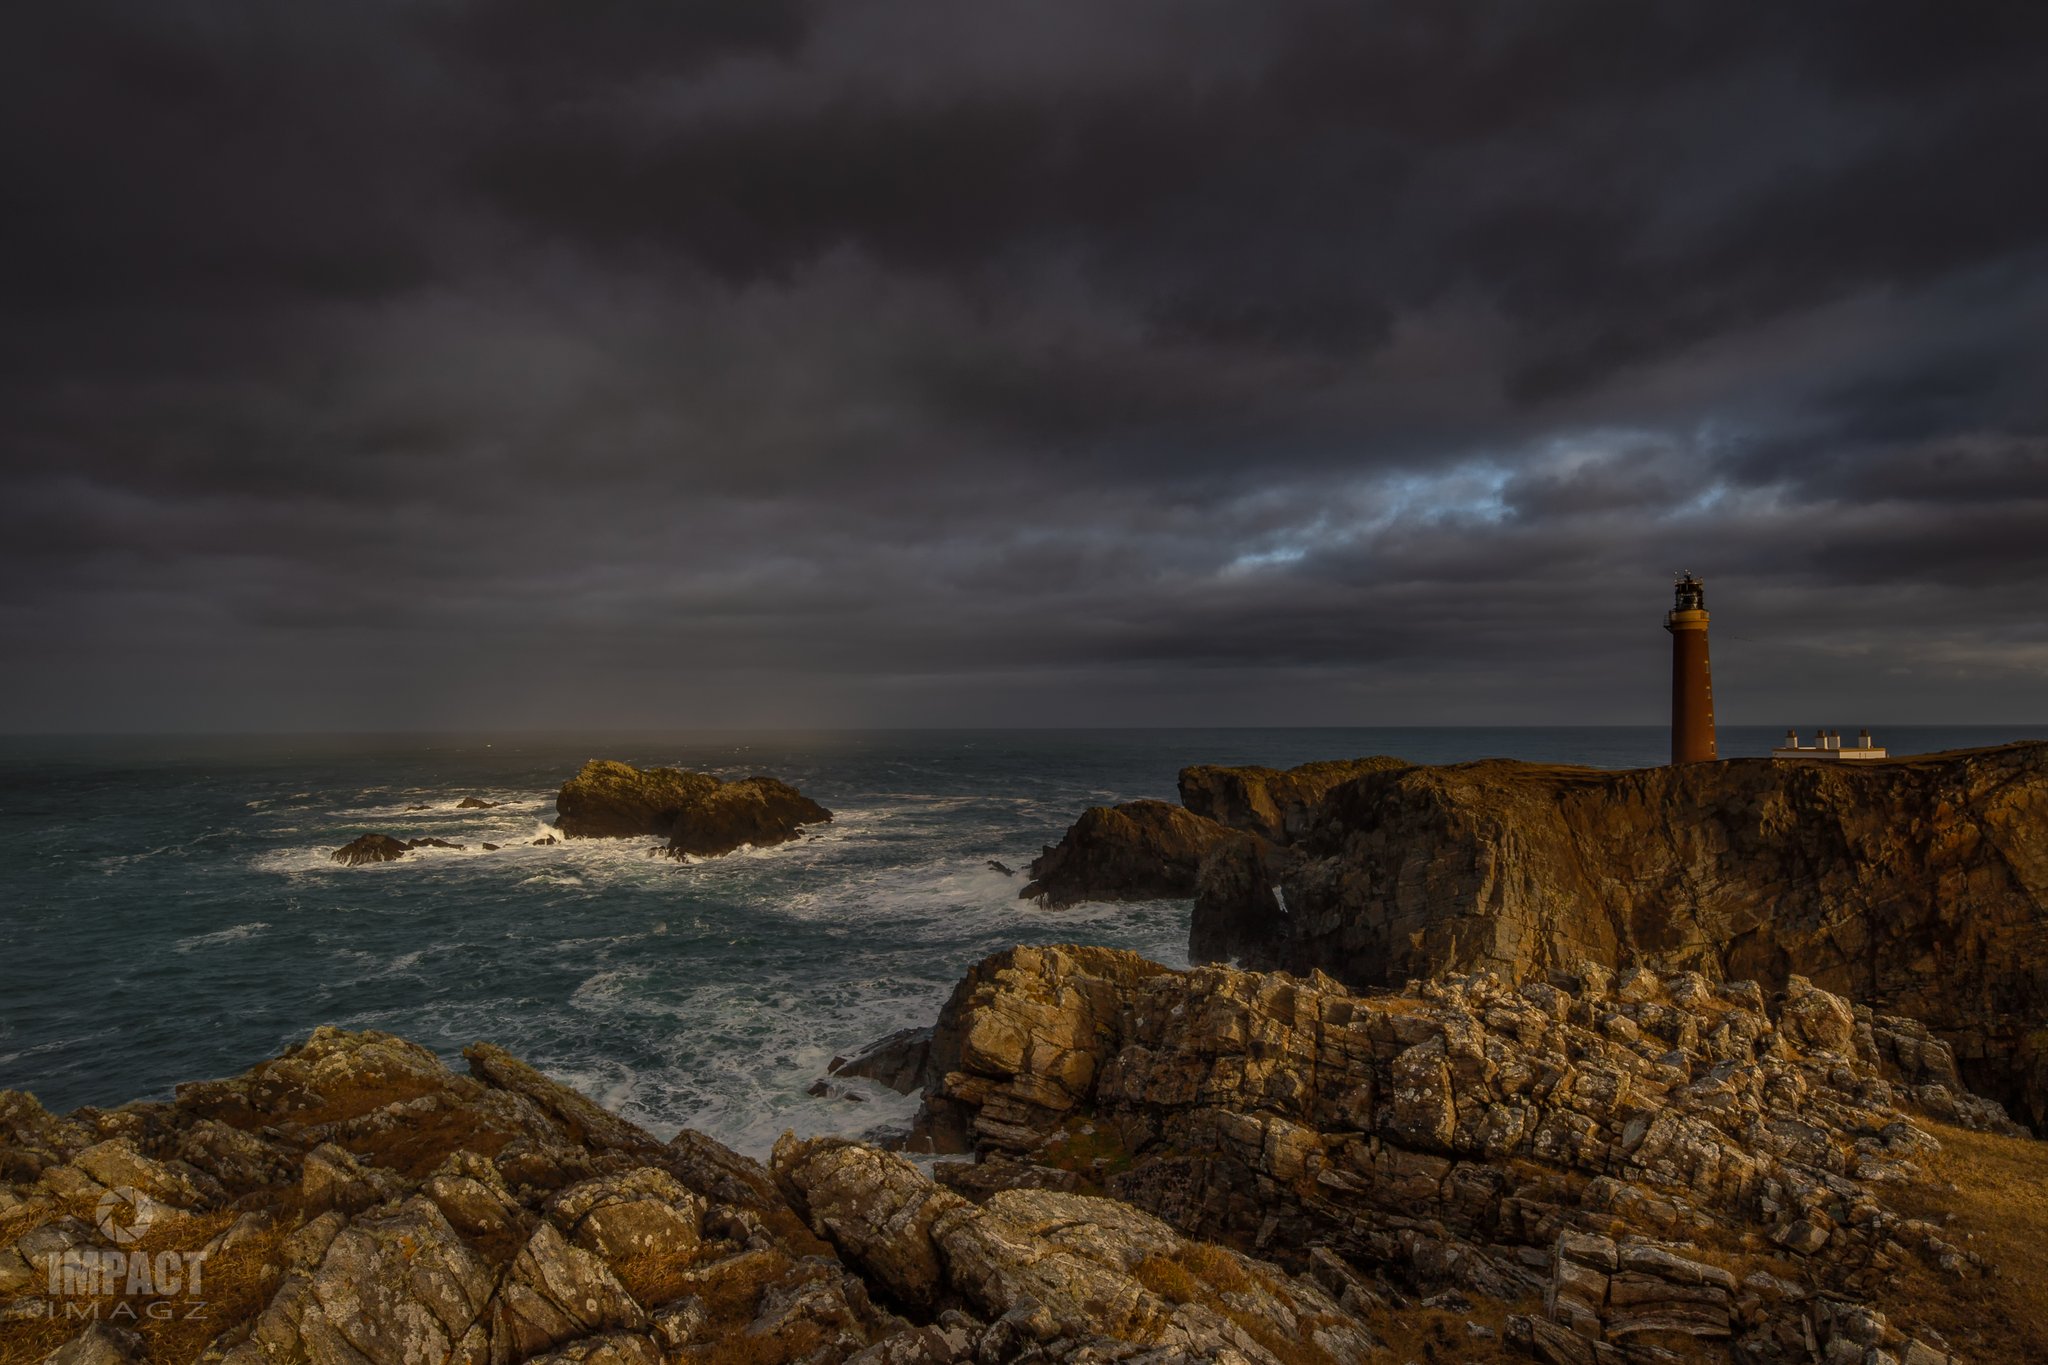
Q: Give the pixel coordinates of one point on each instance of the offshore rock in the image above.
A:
(1141, 850)
(697, 813)
(1623, 1150)
(382, 848)
(1918, 886)
(370, 848)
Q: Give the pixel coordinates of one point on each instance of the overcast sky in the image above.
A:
(512, 363)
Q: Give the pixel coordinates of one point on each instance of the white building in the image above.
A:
(1827, 747)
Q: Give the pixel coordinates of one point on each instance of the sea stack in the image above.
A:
(1692, 683)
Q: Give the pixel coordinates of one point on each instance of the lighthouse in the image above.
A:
(1692, 683)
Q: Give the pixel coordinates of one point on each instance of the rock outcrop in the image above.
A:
(1142, 850)
(1639, 1164)
(1274, 804)
(1918, 886)
(1209, 1166)
(695, 812)
(356, 1202)
(382, 848)
(897, 1061)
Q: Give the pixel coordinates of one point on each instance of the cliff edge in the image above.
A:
(1918, 886)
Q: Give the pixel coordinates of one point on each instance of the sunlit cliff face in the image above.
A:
(496, 364)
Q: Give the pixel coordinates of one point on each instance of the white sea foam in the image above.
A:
(234, 933)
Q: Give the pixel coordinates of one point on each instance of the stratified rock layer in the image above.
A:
(1918, 886)
(695, 812)
(1665, 1163)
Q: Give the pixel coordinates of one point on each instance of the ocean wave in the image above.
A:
(234, 933)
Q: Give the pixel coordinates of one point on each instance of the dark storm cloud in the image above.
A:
(488, 362)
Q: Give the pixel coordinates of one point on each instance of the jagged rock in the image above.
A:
(626, 1218)
(1060, 1268)
(1243, 1168)
(382, 848)
(1918, 886)
(896, 1060)
(1277, 806)
(696, 812)
(371, 848)
(1464, 1133)
(1141, 850)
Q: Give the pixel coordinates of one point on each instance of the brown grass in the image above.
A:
(235, 1286)
(1997, 1209)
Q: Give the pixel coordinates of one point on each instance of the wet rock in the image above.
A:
(1142, 850)
(475, 803)
(896, 1060)
(371, 848)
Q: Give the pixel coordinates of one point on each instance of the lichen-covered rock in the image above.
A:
(1458, 1134)
(1065, 1274)
(1141, 850)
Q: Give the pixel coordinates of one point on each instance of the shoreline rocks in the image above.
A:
(697, 814)
(1212, 1165)
(1141, 850)
(1918, 885)
(1623, 1149)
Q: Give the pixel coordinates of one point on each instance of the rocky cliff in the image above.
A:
(356, 1202)
(1209, 1166)
(695, 812)
(1918, 886)
(1643, 1168)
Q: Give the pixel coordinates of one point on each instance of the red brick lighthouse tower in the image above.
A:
(1692, 684)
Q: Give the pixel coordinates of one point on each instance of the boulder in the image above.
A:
(1141, 850)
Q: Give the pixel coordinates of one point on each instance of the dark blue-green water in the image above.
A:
(171, 912)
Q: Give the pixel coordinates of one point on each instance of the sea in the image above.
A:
(170, 911)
